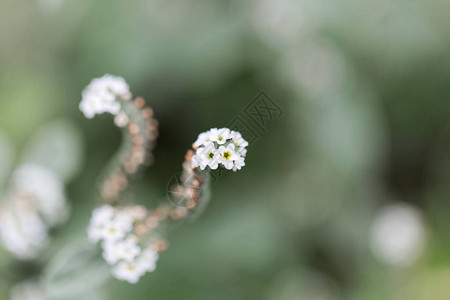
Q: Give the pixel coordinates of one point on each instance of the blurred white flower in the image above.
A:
(110, 252)
(35, 201)
(102, 95)
(44, 188)
(126, 250)
(398, 235)
(147, 260)
(133, 271)
(130, 272)
(108, 224)
(22, 232)
(220, 147)
(120, 246)
(124, 221)
(112, 231)
(102, 214)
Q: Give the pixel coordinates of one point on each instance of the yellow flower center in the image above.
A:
(227, 155)
(130, 267)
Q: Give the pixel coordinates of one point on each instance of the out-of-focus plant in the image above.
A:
(131, 236)
(33, 200)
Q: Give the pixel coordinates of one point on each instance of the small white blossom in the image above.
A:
(102, 94)
(114, 252)
(228, 156)
(112, 231)
(110, 252)
(124, 221)
(100, 218)
(109, 225)
(206, 156)
(220, 136)
(238, 164)
(147, 260)
(128, 271)
(238, 140)
(128, 250)
(102, 214)
(202, 139)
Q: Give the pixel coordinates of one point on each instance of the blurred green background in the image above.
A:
(363, 87)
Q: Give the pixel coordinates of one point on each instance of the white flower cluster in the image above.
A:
(102, 94)
(113, 227)
(35, 202)
(220, 147)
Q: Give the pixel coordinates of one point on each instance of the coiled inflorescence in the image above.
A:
(220, 147)
(123, 248)
(111, 94)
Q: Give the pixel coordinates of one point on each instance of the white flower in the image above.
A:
(228, 156)
(100, 218)
(102, 94)
(206, 156)
(112, 232)
(109, 225)
(22, 232)
(238, 163)
(128, 250)
(110, 252)
(132, 271)
(124, 221)
(114, 252)
(220, 136)
(238, 140)
(199, 162)
(202, 139)
(128, 271)
(44, 189)
(147, 260)
(102, 214)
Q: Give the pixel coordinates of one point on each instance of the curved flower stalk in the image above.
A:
(132, 236)
(111, 94)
